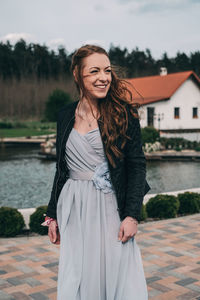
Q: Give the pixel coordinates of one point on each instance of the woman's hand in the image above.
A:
(53, 233)
(128, 229)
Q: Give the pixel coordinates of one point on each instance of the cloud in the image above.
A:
(99, 8)
(95, 42)
(55, 43)
(14, 37)
(145, 6)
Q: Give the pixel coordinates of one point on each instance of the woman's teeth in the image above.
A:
(101, 86)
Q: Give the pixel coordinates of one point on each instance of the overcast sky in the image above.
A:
(160, 25)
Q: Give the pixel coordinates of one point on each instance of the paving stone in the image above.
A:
(41, 250)
(188, 296)
(158, 236)
(55, 278)
(194, 287)
(2, 272)
(177, 254)
(19, 257)
(186, 281)
(4, 252)
(14, 281)
(20, 296)
(51, 264)
(32, 281)
(159, 287)
(39, 296)
(168, 268)
(5, 296)
(197, 270)
(152, 279)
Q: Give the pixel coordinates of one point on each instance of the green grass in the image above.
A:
(26, 128)
(20, 132)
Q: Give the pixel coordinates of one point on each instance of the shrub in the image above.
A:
(143, 214)
(149, 134)
(11, 222)
(36, 219)
(6, 125)
(189, 203)
(55, 102)
(162, 206)
(149, 147)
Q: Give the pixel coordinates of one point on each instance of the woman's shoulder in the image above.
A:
(132, 112)
(65, 110)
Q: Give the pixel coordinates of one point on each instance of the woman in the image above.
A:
(99, 187)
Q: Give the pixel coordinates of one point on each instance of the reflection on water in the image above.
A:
(169, 176)
(26, 181)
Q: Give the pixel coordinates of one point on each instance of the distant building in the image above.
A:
(170, 102)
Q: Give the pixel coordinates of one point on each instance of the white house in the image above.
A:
(170, 103)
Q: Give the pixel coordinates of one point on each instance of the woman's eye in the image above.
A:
(94, 71)
(108, 71)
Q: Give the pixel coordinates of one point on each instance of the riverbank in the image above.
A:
(164, 155)
(38, 139)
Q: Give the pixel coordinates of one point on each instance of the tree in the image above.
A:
(55, 102)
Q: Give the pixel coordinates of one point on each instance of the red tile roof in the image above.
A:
(158, 88)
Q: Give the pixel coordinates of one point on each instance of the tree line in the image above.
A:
(24, 60)
(29, 73)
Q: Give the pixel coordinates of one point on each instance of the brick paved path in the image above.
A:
(170, 251)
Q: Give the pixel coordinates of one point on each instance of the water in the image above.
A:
(26, 181)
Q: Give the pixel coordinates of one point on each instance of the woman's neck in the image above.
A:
(86, 106)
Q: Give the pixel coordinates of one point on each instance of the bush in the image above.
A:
(149, 134)
(36, 219)
(162, 206)
(55, 102)
(149, 147)
(6, 125)
(143, 214)
(189, 203)
(11, 222)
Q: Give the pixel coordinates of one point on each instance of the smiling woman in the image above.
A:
(99, 187)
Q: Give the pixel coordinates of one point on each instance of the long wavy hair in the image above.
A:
(112, 108)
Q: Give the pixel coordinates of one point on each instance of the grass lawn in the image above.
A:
(28, 128)
(20, 132)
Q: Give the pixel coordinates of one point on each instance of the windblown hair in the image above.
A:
(112, 108)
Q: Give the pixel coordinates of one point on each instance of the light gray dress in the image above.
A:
(93, 264)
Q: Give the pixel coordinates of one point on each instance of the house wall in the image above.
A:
(186, 97)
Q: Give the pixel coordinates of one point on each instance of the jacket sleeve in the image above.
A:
(135, 162)
(52, 205)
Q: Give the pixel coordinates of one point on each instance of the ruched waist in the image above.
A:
(100, 176)
(81, 175)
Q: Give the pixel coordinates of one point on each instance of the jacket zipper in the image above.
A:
(60, 155)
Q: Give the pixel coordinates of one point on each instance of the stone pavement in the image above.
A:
(170, 250)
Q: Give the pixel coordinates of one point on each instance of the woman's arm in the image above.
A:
(136, 169)
(52, 205)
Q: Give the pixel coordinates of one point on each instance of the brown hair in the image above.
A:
(113, 112)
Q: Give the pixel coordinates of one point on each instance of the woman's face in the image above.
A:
(96, 74)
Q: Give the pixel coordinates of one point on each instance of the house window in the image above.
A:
(150, 115)
(195, 112)
(176, 112)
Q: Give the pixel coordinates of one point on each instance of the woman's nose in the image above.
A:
(102, 76)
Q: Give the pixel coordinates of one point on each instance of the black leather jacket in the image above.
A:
(128, 178)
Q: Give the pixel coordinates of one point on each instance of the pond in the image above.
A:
(26, 181)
